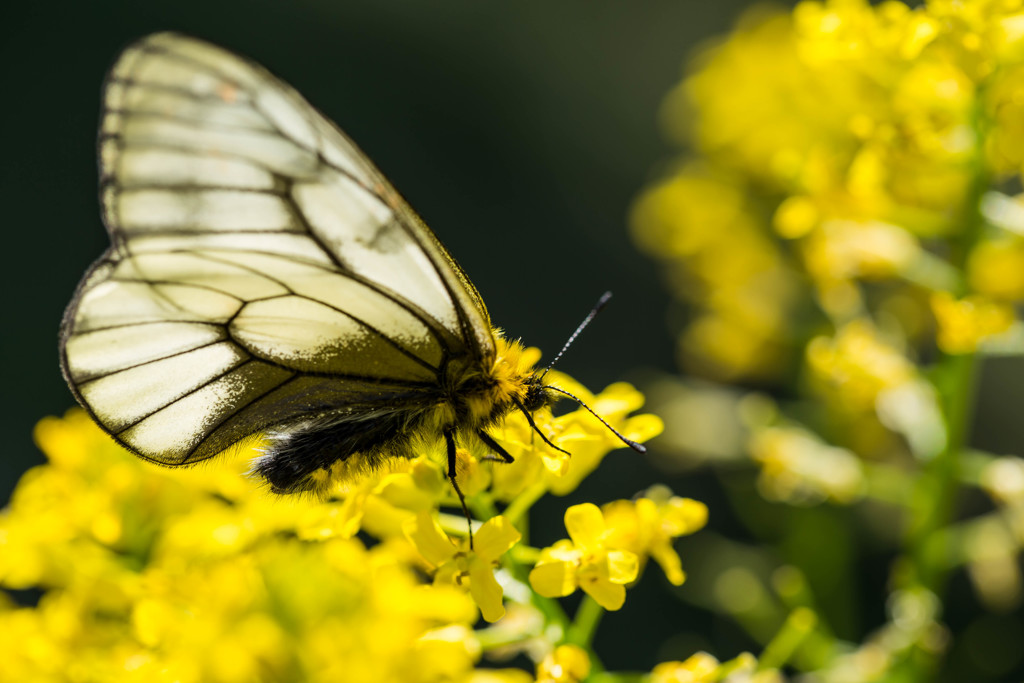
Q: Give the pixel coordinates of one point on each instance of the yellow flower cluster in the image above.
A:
(199, 575)
(848, 212)
(606, 547)
(850, 146)
(719, 259)
(156, 575)
(847, 234)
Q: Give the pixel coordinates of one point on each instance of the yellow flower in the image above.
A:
(1003, 480)
(996, 268)
(846, 249)
(587, 561)
(578, 432)
(965, 323)
(857, 364)
(450, 650)
(703, 668)
(567, 664)
(698, 668)
(873, 390)
(646, 526)
(454, 566)
(587, 439)
(798, 468)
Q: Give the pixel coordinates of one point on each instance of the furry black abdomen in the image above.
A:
(295, 454)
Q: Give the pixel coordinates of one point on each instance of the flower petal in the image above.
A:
(485, 590)
(585, 525)
(554, 579)
(567, 664)
(670, 563)
(560, 551)
(623, 566)
(643, 427)
(609, 595)
(429, 539)
(684, 516)
(495, 537)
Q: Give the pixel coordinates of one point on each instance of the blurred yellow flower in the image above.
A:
(996, 268)
(703, 227)
(567, 664)
(587, 561)
(796, 467)
(857, 364)
(1003, 480)
(844, 249)
(698, 668)
(850, 206)
(965, 323)
(923, 110)
(704, 668)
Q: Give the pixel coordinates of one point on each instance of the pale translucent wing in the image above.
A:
(184, 115)
(261, 269)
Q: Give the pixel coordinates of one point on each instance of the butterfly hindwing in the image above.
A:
(261, 270)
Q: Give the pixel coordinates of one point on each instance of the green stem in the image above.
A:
(935, 495)
(520, 506)
(617, 677)
(887, 483)
(585, 623)
(482, 507)
(794, 631)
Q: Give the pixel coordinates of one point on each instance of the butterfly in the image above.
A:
(265, 278)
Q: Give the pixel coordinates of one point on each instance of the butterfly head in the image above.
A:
(536, 394)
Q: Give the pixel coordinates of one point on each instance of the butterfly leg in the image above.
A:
(449, 441)
(535, 428)
(503, 455)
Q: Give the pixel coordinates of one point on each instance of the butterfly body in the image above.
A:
(338, 444)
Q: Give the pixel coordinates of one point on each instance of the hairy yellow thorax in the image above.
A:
(513, 365)
(479, 395)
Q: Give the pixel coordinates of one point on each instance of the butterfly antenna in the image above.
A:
(629, 442)
(586, 321)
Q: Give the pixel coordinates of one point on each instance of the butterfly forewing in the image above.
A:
(261, 268)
